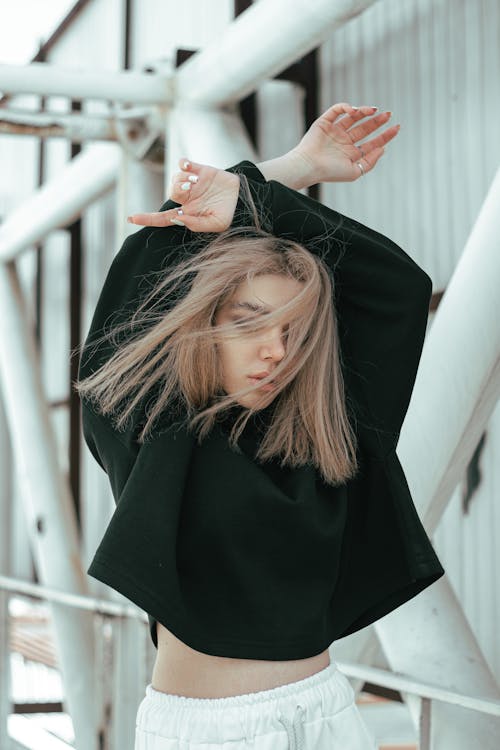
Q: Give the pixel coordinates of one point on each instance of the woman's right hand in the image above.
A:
(208, 198)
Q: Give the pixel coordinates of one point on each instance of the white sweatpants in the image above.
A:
(318, 712)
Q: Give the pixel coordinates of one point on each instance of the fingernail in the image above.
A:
(193, 178)
(176, 221)
(355, 107)
(374, 107)
(130, 219)
(186, 165)
(185, 186)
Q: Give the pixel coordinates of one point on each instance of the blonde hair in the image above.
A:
(174, 355)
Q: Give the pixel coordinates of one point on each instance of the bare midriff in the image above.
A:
(180, 670)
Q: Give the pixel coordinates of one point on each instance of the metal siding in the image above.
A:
(435, 64)
(159, 28)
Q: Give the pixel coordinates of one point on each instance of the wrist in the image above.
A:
(292, 169)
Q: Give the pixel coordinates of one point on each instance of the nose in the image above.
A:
(272, 344)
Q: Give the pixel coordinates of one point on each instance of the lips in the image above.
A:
(266, 386)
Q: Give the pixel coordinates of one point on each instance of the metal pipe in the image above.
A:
(6, 503)
(407, 684)
(61, 200)
(253, 48)
(463, 345)
(80, 601)
(45, 493)
(447, 415)
(51, 80)
(77, 128)
(257, 45)
(206, 136)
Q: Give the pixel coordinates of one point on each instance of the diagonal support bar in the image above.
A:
(61, 200)
(49, 513)
(456, 390)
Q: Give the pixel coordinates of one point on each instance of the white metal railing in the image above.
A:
(127, 632)
(80, 601)
(427, 692)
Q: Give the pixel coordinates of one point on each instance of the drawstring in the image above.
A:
(295, 729)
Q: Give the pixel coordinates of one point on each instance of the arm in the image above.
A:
(381, 295)
(328, 152)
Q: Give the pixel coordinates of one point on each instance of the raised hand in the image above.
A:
(208, 198)
(329, 148)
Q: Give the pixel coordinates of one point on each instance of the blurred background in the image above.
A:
(98, 101)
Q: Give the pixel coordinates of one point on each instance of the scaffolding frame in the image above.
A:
(204, 90)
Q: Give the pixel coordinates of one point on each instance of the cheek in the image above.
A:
(236, 355)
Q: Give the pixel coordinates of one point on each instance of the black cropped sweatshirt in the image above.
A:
(247, 559)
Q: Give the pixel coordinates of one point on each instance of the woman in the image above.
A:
(246, 402)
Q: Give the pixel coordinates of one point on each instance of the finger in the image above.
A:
(158, 218)
(369, 126)
(379, 140)
(183, 189)
(189, 166)
(367, 162)
(343, 108)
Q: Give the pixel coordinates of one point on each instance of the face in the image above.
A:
(254, 352)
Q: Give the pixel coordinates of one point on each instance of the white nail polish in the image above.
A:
(193, 178)
(185, 186)
(186, 165)
(176, 221)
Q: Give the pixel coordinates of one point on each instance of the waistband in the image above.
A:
(170, 700)
(240, 718)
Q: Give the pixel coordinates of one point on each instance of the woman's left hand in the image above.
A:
(329, 148)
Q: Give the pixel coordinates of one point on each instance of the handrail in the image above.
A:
(407, 684)
(382, 677)
(80, 601)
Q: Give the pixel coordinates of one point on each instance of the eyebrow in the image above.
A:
(249, 306)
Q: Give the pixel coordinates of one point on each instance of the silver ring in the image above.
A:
(361, 167)
(180, 211)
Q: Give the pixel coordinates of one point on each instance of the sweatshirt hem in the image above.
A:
(145, 600)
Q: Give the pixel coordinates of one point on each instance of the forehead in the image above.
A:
(264, 293)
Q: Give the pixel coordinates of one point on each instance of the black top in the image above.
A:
(246, 559)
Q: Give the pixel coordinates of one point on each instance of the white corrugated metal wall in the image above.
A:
(435, 64)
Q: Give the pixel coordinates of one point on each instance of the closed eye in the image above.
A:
(243, 321)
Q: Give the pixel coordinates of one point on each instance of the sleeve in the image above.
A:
(129, 279)
(381, 297)
(382, 301)
(111, 452)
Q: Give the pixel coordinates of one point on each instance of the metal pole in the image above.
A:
(60, 200)
(52, 80)
(78, 128)
(80, 601)
(463, 346)
(207, 136)
(5, 561)
(424, 734)
(445, 419)
(138, 189)
(48, 510)
(257, 45)
(254, 47)
(127, 682)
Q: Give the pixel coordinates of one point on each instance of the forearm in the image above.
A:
(291, 170)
